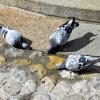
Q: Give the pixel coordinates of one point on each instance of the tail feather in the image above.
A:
(71, 22)
(92, 62)
(24, 45)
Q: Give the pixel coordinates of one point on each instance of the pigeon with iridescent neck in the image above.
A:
(13, 37)
(77, 62)
(61, 36)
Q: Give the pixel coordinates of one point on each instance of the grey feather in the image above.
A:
(61, 36)
(77, 62)
(13, 37)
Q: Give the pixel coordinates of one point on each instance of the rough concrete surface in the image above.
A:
(83, 9)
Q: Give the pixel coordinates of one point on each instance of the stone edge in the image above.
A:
(55, 10)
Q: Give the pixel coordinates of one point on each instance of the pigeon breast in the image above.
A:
(13, 37)
(59, 37)
(75, 62)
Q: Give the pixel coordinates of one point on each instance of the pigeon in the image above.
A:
(13, 37)
(76, 62)
(61, 36)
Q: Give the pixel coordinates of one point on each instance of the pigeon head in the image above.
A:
(72, 22)
(76, 62)
(73, 63)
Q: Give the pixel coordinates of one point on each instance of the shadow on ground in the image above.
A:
(74, 45)
(90, 70)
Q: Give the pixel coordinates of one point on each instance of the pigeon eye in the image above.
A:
(80, 65)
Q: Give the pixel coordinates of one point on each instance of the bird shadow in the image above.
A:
(77, 44)
(90, 70)
(74, 45)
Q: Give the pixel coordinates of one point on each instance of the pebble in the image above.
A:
(39, 54)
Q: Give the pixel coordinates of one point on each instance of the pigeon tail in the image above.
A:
(24, 45)
(92, 62)
(71, 22)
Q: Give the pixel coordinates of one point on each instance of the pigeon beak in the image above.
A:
(60, 66)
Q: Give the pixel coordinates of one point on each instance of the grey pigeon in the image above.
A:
(61, 36)
(77, 62)
(13, 37)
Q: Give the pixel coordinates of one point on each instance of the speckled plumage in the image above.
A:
(61, 36)
(12, 37)
(77, 62)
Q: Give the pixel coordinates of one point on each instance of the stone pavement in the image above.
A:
(31, 74)
(82, 9)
